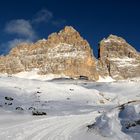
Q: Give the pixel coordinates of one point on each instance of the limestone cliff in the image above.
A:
(118, 59)
(65, 53)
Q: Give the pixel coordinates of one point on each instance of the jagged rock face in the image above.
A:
(69, 54)
(118, 59)
(65, 53)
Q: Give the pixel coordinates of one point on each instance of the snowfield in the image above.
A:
(64, 109)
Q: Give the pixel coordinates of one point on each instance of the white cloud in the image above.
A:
(47, 16)
(24, 31)
(43, 15)
(20, 27)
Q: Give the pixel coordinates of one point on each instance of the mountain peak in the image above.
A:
(113, 38)
(63, 53)
(67, 30)
(67, 53)
(118, 58)
(68, 35)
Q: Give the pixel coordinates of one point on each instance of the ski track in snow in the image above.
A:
(55, 128)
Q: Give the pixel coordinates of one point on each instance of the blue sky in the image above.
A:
(30, 20)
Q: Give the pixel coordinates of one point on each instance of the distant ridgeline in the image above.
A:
(67, 53)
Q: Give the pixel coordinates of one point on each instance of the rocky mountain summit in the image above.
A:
(118, 59)
(67, 53)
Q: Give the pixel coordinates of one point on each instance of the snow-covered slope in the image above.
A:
(71, 105)
(121, 122)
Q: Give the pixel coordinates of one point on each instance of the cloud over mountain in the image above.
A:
(24, 30)
(21, 28)
(43, 15)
